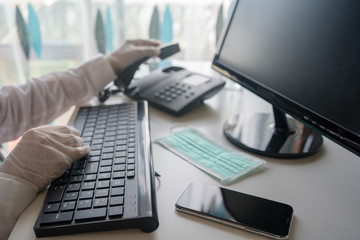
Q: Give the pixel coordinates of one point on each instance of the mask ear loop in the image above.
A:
(157, 177)
(179, 127)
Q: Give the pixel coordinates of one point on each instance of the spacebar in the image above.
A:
(87, 215)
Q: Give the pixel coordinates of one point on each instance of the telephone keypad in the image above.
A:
(173, 91)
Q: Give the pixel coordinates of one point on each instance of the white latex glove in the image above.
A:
(44, 153)
(130, 52)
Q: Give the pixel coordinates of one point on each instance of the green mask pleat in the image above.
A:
(223, 165)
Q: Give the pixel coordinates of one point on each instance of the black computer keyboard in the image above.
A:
(111, 188)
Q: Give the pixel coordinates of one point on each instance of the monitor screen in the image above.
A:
(302, 56)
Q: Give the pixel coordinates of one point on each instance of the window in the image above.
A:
(72, 31)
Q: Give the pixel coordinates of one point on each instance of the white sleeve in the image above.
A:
(15, 195)
(41, 100)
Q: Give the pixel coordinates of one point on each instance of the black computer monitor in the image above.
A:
(303, 57)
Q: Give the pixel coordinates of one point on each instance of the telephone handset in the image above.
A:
(174, 89)
(124, 79)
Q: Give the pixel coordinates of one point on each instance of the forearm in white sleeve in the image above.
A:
(41, 100)
(15, 195)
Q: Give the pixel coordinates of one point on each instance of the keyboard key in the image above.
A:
(121, 141)
(118, 175)
(116, 201)
(118, 183)
(108, 150)
(98, 136)
(102, 193)
(52, 207)
(61, 180)
(109, 139)
(77, 172)
(73, 187)
(79, 163)
(105, 169)
(122, 125)
(88, 134)
(99, 131)
(120, 154)
(84, 204)
(130, 166)
(111, 125)
(94, 159)
(86, 194)
(119, 160)
(90, 177)
(96, 147)
(90, 214)
(100, 125)
(116, 211)
(71, 196)
(80, 122)
(100, 202)
(104, 176)
(76, 179)
(95, 153)
(120, 148)
(102, 184)
(88, 185)
(130, 174)
(87, 140)
(105, 163)
(97, 141)
(117, 191)
(67, 206)
(62, 217)
(120, 167)
(55, 194)
(109, 144)
(107, 156)
(110, 134)
(91, 168)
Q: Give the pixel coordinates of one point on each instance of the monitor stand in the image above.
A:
(282, 138)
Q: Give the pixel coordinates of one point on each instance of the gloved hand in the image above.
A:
(44, 153)
(130, 52)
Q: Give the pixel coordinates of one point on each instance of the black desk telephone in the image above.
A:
(174, 89)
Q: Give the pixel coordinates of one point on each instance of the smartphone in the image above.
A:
(240, 210)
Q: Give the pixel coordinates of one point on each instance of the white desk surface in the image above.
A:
(323, 189)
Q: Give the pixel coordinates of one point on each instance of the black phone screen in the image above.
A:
(253, 213)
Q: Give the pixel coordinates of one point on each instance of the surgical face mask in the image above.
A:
(223, 165)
